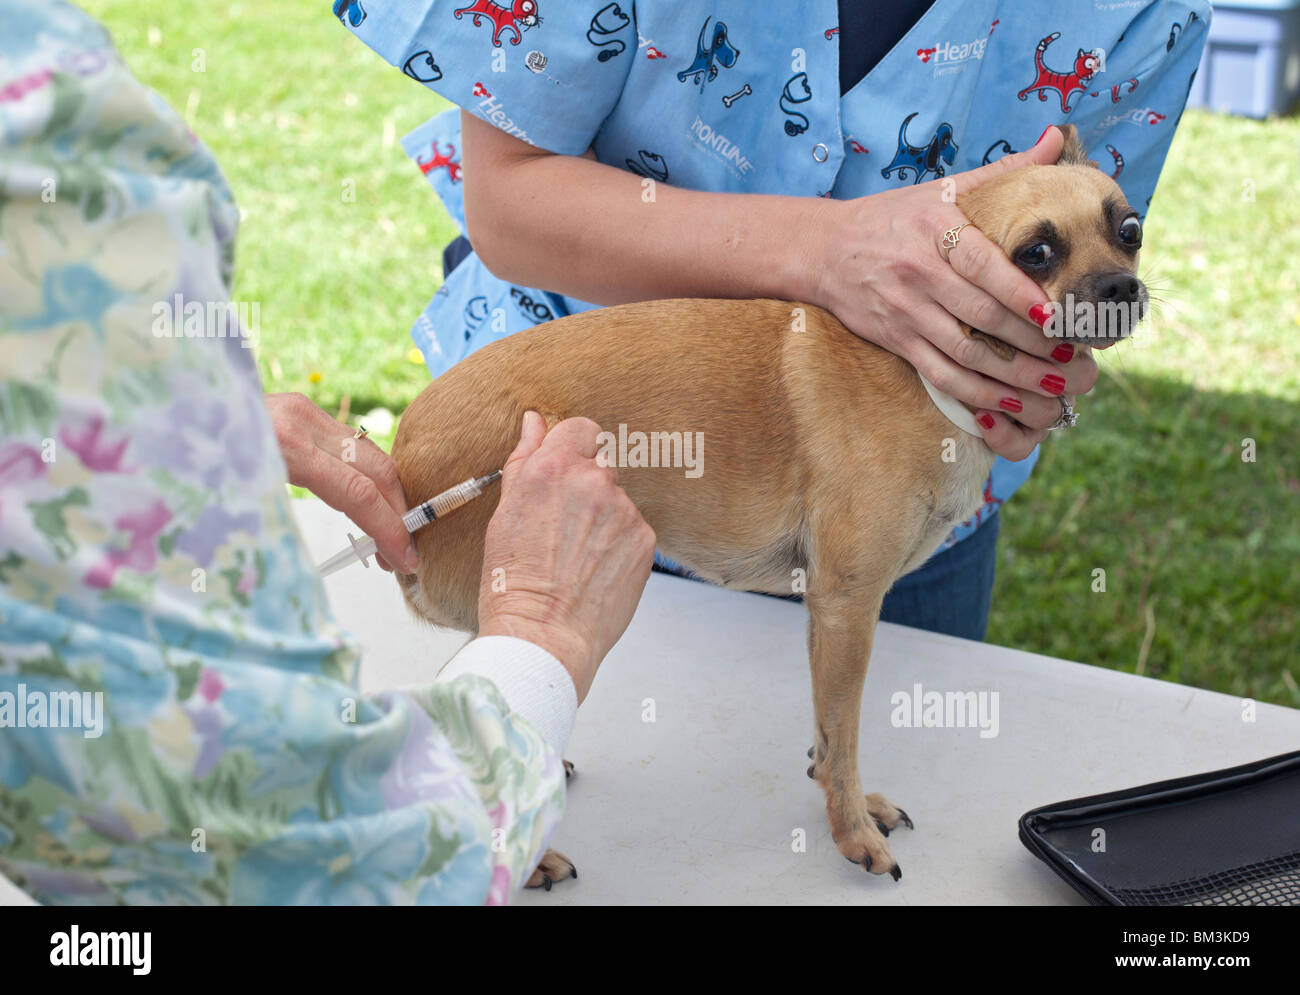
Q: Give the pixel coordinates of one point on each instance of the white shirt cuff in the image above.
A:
(534, 684)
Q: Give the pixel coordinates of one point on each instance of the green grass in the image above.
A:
(1198, 547)
(294, 108)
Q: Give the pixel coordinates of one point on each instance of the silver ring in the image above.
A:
(1069, 418)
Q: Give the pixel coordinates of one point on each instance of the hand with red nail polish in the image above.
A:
(881, 271)
(1008, 438)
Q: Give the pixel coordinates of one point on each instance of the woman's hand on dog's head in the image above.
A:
(886, 275)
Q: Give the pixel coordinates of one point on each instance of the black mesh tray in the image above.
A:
(1229, 837)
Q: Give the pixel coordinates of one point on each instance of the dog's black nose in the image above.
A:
(1117, 302)
(1118, 288)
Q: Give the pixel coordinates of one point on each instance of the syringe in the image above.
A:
(418, 517)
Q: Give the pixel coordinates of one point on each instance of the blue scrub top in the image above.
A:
(739, 97)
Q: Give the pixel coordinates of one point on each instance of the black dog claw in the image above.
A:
(811, 768)
(905, 820)
(884, 830)
(895, 873)
(811, 751)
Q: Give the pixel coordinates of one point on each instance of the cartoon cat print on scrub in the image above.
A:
(522, 12)
(1066, 85)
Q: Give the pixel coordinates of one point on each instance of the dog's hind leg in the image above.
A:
(551, 869)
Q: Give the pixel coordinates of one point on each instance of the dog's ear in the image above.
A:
(1074, 154)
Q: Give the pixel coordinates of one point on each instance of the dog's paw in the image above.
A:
(868, 848)
(569, 770)
(860, 833)
(887, 815)
(1002, 349)
(552, 868)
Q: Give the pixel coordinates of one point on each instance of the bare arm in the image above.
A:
(583, 228)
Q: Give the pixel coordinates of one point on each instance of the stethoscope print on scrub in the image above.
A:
(794, 128)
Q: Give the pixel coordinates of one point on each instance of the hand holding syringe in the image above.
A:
(418, 517)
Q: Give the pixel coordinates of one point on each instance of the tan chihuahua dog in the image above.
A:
(825, 453)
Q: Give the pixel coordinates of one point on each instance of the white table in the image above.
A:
(700, 805)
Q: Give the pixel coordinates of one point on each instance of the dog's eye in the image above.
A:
(1037, 254)
(1130, 231)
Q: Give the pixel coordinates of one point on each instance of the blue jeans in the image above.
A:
(949, 593)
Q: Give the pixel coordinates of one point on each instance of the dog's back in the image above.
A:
(767, 399)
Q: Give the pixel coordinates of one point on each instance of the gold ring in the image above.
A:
(952, 236)
(361, 432)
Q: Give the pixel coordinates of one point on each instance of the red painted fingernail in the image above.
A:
(1064, 352)
(1053, 384)
(1010, 404)
(1044, 134)
(1041, 313)
(985, 419)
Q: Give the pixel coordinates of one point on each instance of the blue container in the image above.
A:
(1251, 64)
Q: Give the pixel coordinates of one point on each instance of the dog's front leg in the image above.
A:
(842, 625)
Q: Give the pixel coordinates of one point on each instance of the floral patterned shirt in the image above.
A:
(179, 714)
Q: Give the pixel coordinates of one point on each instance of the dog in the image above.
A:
(825, 450)
(924, 159)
